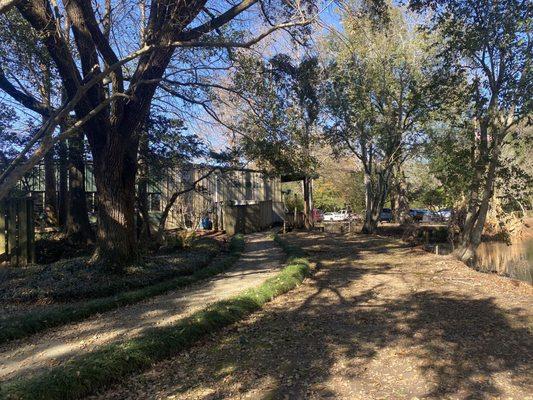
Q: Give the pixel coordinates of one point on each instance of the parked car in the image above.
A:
(444, 214)
(329, 216)
(318, 215)
(341, 215)
(429, 216)
(385, 215)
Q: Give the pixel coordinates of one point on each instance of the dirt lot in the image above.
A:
(378, 320)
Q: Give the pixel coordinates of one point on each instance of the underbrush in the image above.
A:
(416, 233)
(74, 279)
(27, 323)
(50, 248)
(102, 368)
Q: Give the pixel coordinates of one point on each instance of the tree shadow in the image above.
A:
(343, 337)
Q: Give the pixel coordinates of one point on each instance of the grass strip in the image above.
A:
(33, 322)
(100, 369)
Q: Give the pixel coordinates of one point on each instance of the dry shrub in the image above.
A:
(502, 225)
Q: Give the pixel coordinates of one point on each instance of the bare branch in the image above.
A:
(216, 22)
(16, 170)
(231, 43)
(23, 98)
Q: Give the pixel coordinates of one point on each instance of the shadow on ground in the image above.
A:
(362, 327)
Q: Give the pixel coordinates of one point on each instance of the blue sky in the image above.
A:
(204, 126)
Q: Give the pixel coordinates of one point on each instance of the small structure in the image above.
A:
(235, 200)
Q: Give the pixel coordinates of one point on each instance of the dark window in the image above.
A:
(155, 202)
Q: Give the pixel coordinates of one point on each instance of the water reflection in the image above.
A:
(515, 260)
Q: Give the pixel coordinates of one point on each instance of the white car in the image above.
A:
(342, 215)
(444, 215)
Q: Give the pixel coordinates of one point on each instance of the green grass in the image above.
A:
(33, 322)
(102, 368)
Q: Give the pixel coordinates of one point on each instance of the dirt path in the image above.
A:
(260, 260)
(377, 321)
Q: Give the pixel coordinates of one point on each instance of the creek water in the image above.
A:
(514, 260)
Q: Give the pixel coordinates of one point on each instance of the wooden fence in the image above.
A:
(247, 218)
(17, 232)
(295, 220)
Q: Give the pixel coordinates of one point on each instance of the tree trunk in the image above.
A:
(399, 201)
(477, 214)
(473, 197)
(115, 167)
(160, 234)
(50, 194)
(368, 225)
(375, 196)
(78, 226)
(145, 233)
(62, 153)
(308, 203)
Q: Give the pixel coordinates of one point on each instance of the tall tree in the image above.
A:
(279, 118)
(26, 60)
(376, 100)
(25, 68)
(489, 44)
(78, 227)
(62, 199)
(8, 138)
(113, 110)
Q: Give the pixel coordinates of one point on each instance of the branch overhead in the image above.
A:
(6, 5)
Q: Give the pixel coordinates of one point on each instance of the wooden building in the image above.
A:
(232, 199)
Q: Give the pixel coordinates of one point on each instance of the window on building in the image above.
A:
(154, 200)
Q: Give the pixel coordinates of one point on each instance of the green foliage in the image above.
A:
(170, 144)
(377, 97)
(487, 42)
(280, 113)
(97, 370)
(376, 88)
(8, 137)
(179, 240)
(24, 60)
(451, 167)
(514, 184)
(292, 201)
(71, 279)
(434, 198)
(440, 179)
(32, 322)
(23, 53)
(484, 78)
(326, 196)
(339, 189)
